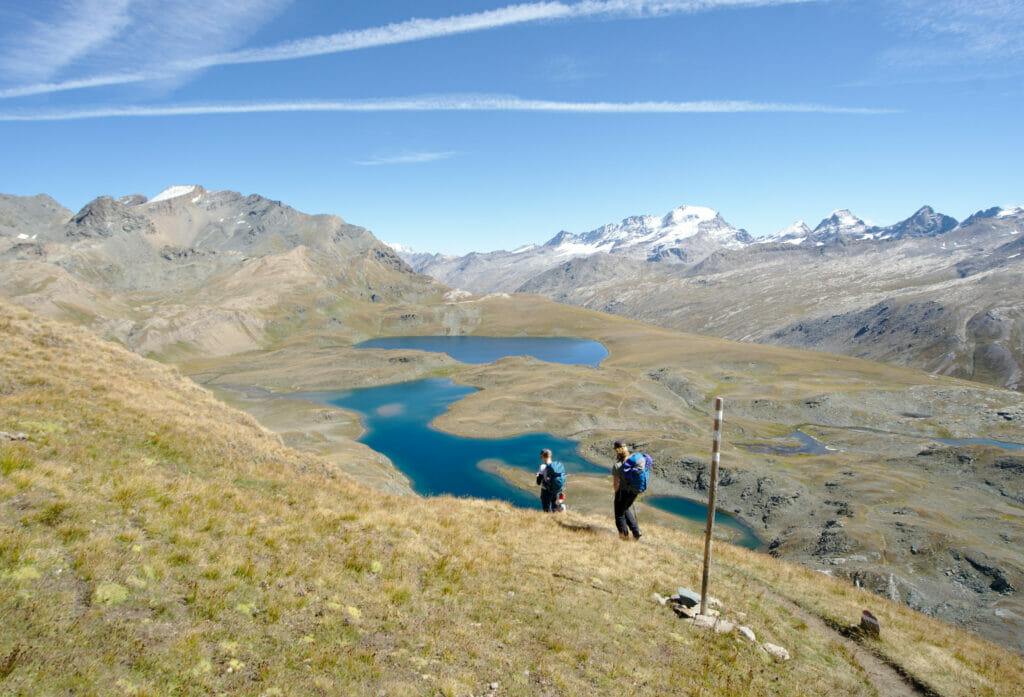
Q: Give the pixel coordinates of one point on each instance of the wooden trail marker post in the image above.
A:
(712, 488)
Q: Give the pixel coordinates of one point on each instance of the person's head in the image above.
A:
(545, 455)
(621, 450)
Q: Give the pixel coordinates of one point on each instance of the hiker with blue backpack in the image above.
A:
(551, 477)
(629, 480)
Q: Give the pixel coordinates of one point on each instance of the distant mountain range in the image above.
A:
(684, 235)
(216, 272)
(928, 292)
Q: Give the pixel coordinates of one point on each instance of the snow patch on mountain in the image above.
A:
(681, 234)
(399, 248)
(173, 192)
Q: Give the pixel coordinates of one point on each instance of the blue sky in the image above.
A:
(464, 125)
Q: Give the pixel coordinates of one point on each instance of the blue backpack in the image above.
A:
(635, 471)
(554, 476)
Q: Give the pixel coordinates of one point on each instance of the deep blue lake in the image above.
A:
(397, 418)
(487, 349)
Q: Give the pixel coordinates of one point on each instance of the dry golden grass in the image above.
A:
(156, 542)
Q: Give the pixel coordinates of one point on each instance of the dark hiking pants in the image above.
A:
(625, 520)
(548, 499)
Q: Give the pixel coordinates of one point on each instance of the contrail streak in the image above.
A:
(446, 103)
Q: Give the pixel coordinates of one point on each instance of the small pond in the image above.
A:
(1004, 445)
(805, 445)
(487, 349)
(739, 533)
(809, 445)
(980, 441)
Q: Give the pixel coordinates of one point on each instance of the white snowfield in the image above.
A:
(172, 192)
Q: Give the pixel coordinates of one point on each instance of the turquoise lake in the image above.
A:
(396, 421)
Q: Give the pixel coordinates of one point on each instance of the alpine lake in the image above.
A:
(397, 419)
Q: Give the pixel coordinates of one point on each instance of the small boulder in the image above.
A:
(703, 621)
(723, 626)
(775, 651)
(869, 624)
(720, 625)
(748, 633)
(687, 597)
(684, 611)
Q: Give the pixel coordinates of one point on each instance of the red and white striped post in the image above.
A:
(712, 488)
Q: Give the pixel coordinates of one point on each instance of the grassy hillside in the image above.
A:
(155, 542)
(887, 507)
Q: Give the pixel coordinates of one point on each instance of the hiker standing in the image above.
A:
(551, 477)
(625, 519)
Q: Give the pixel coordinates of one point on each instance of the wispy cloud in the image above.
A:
(416, 29)
(948, 32)
(448, 103)
(155, 38)
(420, 29)
(42, 47)
(411, 158)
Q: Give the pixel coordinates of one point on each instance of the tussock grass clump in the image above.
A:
(155, 542)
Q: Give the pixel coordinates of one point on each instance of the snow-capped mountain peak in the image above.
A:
(794, 234)
(684, 214)
(841, 219)
(842, 223)
(681, 234)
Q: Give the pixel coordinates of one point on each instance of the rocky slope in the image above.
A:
(193, 271)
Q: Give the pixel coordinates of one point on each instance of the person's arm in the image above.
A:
(615, 479)
(540, 473)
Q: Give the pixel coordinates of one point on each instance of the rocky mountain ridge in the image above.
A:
(843, 224)
(684, 235)
(926, 292)
(191, 269)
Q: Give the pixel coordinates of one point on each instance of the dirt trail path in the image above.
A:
(883, 677)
